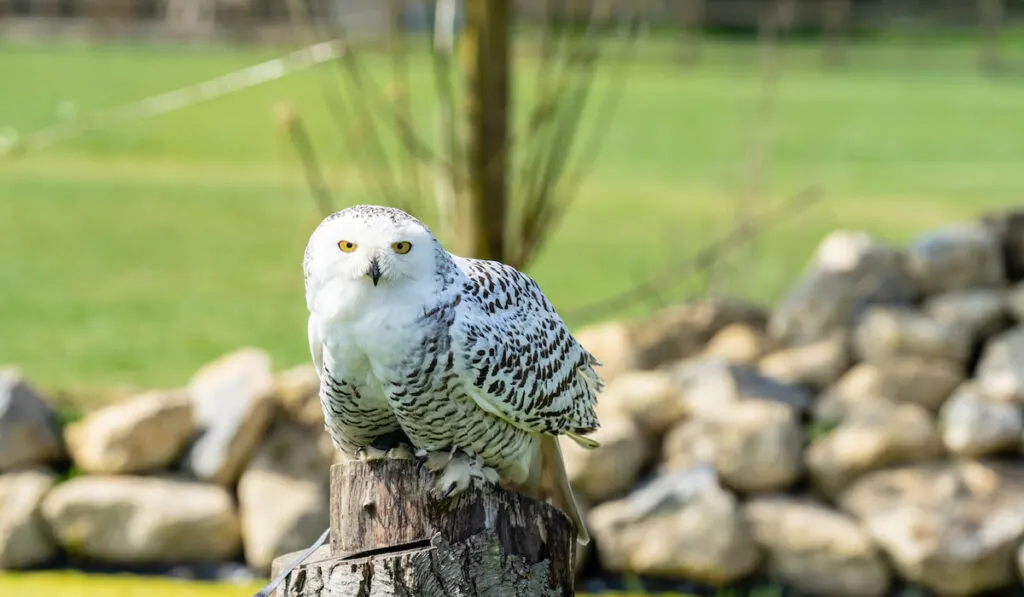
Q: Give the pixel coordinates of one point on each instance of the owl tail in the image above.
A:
(556, 482)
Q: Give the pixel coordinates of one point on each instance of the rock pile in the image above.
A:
(867, 431)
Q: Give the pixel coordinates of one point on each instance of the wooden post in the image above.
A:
(390, 537)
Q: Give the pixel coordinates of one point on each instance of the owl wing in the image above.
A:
(516, 357)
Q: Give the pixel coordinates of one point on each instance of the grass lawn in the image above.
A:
(130, 256)
(67, 584)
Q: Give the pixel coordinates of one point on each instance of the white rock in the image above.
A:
(1000, 373)
(955, 257)
(974, 425)
(870, 438)
(611, 469)
(682, 525)
(143, 520)
(24, 538)
(234, 404)
(887, 332)
(816, 550)
(951, 527)
(755, 446)
(142, 434)
(283, 493)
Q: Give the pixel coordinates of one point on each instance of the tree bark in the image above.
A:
(391, 538)
(486, 56)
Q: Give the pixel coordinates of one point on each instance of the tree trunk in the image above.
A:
(391, 538)
(486, 57)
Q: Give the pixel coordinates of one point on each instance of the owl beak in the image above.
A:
(374, 271)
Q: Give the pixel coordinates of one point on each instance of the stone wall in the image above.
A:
(865, 433)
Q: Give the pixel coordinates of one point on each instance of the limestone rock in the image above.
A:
(755, 446)
(681, 525)
(24, 538)
(29, 431)
(980, 312)
(886, 332)
(816, 364)
(1015, 302)
(1000, 373)
(739, 343)
(143, 520)
(850, 272)
(710, 386)
(283, 494)
(298, 392)
(914, 380)
(651, 398)
(952, 527)
(234, 404)
(1008, 228)
(611, 469)
(681, 331)
(610, 342)
(973, 425)
(879, 435)
(144, 433)
(816, 550)
(955, 258)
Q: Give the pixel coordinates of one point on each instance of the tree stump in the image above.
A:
(390, 537)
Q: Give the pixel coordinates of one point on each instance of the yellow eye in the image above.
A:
(347, 246)
(402, 247)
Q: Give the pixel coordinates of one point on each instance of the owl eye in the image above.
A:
(347, 246)
(402, 247)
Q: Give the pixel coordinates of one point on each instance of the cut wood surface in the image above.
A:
(391, 537)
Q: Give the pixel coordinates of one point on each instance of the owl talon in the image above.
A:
(400, 452)
(367, 454)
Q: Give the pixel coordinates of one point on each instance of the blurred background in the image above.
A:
(803, 210)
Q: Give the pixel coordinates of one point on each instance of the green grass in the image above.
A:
(72, 584)
(130, 256)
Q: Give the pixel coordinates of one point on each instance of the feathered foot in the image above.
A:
(458, 471)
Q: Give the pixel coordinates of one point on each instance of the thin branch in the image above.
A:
(741, 234)
(291, 121)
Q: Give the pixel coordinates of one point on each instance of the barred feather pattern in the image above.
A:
(461, 352)
(497, 366)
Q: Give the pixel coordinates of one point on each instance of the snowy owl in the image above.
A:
(467, 357)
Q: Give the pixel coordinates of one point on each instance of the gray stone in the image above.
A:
(1000, 373)
(234, 404)
(682, 331)
(143, 520)
(740, 343)
(283, 493)
(872, 437)
(816, 550)
(611, 469)
(710, 386)
(298, 392)
(24, 539)
(29, 430)
(650, 398)
(955, 257)
(980, 312)
(145, 433)
(755, 445)
(816, 364)
(1008, 228)
(887, 332)
(973, 425)
(951, 527)
(850, 272)
(681, 525)
(914, 380)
